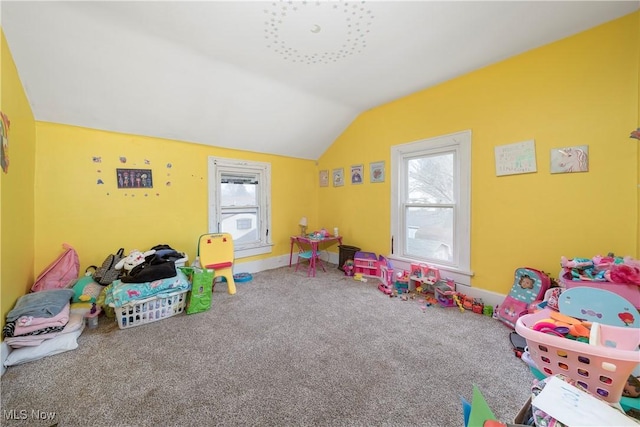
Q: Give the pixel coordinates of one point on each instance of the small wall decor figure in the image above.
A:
(570, 159)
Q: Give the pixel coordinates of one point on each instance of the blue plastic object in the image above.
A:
(242, 277)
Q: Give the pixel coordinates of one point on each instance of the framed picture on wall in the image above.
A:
(324, 178)
(134, 178)
(338, 177)
(376, 172)
(357, 173)
(570, 159)
(516, 158)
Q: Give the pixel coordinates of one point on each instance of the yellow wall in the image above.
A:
(579, 91)
(582, 90)
(16, 188)
(637, 126)
(97, 219)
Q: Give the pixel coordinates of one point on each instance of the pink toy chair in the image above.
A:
(305, 252)
(216, 252)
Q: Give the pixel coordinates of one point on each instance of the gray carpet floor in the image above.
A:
(285, 350)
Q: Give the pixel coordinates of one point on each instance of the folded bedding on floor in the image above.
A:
(76, 321)
(59, 344)
(41, 304)
(27, 324)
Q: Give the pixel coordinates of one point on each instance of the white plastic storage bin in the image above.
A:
(182, 262)
(151, 309)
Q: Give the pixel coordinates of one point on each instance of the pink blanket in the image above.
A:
(26, 324)
(76, 321)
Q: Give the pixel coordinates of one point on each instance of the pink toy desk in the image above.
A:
(315, 244)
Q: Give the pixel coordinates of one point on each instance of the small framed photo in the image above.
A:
(134, 178)
(357, 172)
(376, 171)
(570, 159)
(338, 177)
(324, 178)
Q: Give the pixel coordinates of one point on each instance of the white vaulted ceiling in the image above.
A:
(281, 77)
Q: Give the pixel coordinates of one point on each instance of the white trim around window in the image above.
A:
(240, 218)
(455, 206)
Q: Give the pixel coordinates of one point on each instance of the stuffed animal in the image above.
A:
(348, 267)
(134, 258)
(86, 290)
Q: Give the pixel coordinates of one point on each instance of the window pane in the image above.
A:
(429, 233)
(242, 225)
(430, 178)
(239, 190)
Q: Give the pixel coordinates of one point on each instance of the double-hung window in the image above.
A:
(430, 192)
(239, 203)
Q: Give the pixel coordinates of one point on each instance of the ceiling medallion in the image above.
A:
(317, 32)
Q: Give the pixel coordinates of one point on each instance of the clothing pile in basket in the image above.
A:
(154, 275)
(41, 324)
(121, 293)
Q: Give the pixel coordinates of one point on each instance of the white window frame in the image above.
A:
(218, 166)
(460, 144)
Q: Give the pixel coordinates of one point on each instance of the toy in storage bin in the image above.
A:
(151, 309)
(601, 368)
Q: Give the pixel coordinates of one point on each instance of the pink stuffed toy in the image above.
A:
(624, 273)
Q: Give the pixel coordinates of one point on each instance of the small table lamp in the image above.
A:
(303, 225)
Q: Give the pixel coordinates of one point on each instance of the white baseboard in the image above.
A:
(261, 264)
(4, 353)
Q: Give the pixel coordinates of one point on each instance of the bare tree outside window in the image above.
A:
(430, 206)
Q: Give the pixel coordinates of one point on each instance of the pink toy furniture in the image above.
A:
(366, 263)
(308, 251)
(386, 270)
(430, 275)
(444, 292)
(315, 244)
(386, 275)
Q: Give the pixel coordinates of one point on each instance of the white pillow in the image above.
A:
(59, 344)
